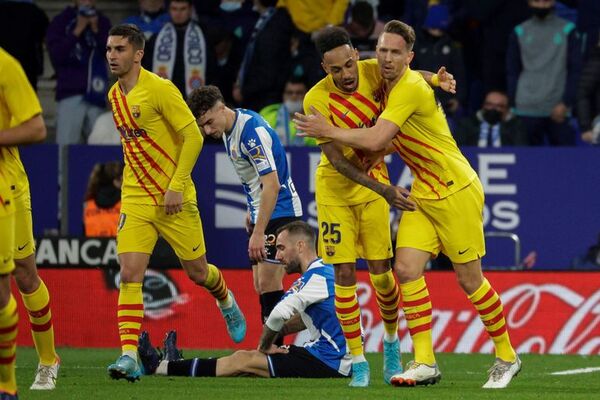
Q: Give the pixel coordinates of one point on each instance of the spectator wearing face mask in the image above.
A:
(280, 115)
(492, 126)
(152, 17)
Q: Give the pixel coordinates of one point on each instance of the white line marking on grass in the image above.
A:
(577, 371)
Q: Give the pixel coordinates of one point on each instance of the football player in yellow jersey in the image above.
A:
(352, 211)
(161, 143)
(21, 122)
(444, 209)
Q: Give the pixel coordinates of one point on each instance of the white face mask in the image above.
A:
(229, 6)
(293, 106)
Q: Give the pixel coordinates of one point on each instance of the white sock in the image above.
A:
(131, 353)
(227, 303)
(390, 338)
(358, 358)
(162, 368)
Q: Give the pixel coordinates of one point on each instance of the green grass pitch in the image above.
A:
(83, 376)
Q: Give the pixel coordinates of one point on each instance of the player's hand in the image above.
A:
(80, 24)
(173, 202)
(313, 125)
(256, 247)
(93, 22)
(371, 160)
(398, 197)
(447, 81)
(588, 136)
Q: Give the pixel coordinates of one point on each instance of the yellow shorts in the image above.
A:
(7, 231)
(140, 225)
(452, 225)
(347, 233)
(24, 241)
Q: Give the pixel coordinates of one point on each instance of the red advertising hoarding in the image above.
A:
(557, 312)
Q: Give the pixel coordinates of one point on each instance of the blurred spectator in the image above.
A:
(305, 60)
(433, 49)
(588, 24)
(179, 52)
(391, 9)
(102, 204)
(493, 126)
(312, 15)
(104, 130)
(260, 81)
(588, 98)
(228, 60)
(591, 259)
(152, 17)
(280, 115)
(22, 30)
(543, 64)
(76, 41)
(235, 16)
(364, 28)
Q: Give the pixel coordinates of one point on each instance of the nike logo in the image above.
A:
(196, 248)
(22, 247)
(460, 253)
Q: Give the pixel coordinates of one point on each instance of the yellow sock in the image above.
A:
(348, 313)
(215, 284)
(130, 316)
(9, 320)
(40, 317)
(388, 298)
(489, 306)
(417, 311)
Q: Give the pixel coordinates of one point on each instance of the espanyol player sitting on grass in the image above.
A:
(308, 304)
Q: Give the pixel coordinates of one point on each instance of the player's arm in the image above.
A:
(395, 196)
(375, 138)
(293, 325)
(268, 200)
(31, 131)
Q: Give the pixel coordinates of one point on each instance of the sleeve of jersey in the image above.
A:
(314, 291)
(401, 106)
(315, 98)
(257, 144)
(172, 106)
(19, 95)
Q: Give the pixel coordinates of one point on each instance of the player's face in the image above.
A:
(121, 55)
(214, 122)
(287, 253)
(393, 55)
(342, 64)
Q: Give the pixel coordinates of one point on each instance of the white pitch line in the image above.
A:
(577, 371)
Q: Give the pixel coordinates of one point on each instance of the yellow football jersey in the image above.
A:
(18, 103)
(149, 118)
(347, 110)
(424, 140)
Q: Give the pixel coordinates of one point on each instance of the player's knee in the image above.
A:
(26, 276)
(241, 361)
(404, 272)
(345, 274)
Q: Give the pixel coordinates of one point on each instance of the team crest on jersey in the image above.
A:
(136, 111)
(330, 250)
(252, 142)
(260, 158)
(296, 287)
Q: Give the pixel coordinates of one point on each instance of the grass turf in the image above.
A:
(83, 376)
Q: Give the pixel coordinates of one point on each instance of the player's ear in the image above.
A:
(411, 55)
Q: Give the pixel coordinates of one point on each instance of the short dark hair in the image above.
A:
(402, 29)
(181, 1)
(203, 99)
(300, 228)
(330, 38)
(133, 34)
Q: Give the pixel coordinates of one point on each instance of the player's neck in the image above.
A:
(392, 83)
(128, 81)
(230, 120)
(307, 260)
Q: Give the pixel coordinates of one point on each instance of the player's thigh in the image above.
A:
(299, 363)
(24, 241)
(338, 234)
(136, 231)
(416, 231)
(374, 233)
(7, 242)
(458, 219)
(183, 231)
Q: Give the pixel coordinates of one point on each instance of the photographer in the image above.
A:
(76, 41)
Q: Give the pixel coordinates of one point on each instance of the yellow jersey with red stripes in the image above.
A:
(149, 118)
(347, 110)
(18, 104)
(424, 141)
